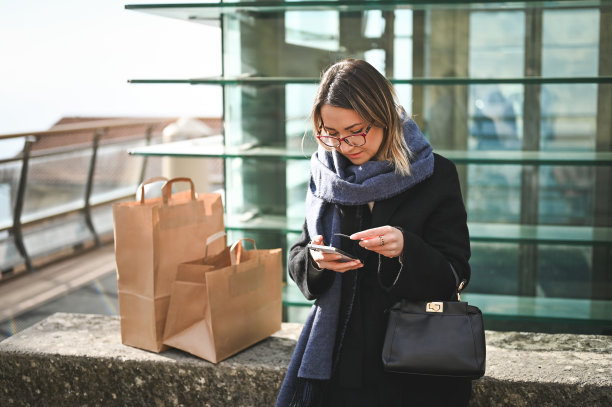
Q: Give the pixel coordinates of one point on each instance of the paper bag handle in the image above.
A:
(167, 188)
(145, 182)
(211, 239)
(235, 257)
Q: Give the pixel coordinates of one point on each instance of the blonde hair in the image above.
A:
(357, 85)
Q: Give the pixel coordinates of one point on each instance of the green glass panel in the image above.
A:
(566, 195)
(569, 117)
(438, 81)
(511, 307)
(564, 271)
(570, 42)
(298, 176)
(540, 234)
(313, 29)
(569, 48)
(208, 12)
(292, 296)
(479, 231)
(494, 268)
(204, 148)
(480, 84)
(492, 193)
(298, 127)
(253, 187)
(497, 44)
(541, 308)
(263, 222)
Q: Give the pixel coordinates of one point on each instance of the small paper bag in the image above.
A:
(224, 303)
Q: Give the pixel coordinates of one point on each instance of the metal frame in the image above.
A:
(100, 129)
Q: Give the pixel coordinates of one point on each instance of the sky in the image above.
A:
(73, 58)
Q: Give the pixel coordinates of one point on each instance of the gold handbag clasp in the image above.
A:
(434, 307)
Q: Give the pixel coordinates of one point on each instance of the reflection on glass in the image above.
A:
(403, 56)
(495, 114)
(566, 195)
(497, 44)
(494, 193)
(5, 205)
(41, 239)
(439, 42)
(570, 42)
(9, 182)
(569, 48)
(374, 24)
(9, 255)
(494, 268)
(115, 174)
(297, 111)
(234, 201)
(313, 29)
(564, 271)
(298, 175)
(569, 118)
(377, 58)
(56, 183)
(232, 47)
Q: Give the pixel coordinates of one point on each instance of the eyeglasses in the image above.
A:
(355, 140)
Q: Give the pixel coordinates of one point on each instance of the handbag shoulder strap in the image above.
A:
(458, 283)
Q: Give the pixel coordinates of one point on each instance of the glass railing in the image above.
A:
(57, 187)
(210, 12)
(204, 148)
(447, 81)
(516, 94)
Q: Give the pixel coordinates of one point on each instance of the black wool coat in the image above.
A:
(432, 218)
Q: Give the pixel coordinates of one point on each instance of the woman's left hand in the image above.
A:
(385, 240)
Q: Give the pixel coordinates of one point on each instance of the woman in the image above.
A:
(378, 192)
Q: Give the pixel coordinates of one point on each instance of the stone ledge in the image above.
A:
(78, 359)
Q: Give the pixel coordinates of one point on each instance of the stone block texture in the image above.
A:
(78, 360)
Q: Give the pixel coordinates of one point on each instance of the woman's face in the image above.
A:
(340, 122)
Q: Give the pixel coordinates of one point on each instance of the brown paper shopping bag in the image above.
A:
(152, 237)
(225, 303)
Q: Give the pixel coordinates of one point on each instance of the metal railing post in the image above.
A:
(89, 185)
(19, 199)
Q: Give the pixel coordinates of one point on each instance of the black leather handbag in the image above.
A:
(443, 338)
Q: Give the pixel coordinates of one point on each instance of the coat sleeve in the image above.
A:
(311, 281)
(426, 273)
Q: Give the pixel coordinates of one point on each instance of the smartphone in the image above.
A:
(330, 249)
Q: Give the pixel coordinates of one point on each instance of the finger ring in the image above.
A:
(382, 241)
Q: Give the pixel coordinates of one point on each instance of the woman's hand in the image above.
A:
(330, 261)
(385, 240)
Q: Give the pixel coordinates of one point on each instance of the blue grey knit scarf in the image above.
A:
(334, 180)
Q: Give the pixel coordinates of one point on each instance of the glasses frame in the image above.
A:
(341, 139)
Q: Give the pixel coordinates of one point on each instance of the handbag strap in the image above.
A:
(458, 282)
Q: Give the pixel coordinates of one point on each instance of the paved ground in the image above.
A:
(81, 284)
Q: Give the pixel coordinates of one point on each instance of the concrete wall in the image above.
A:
(78, 360)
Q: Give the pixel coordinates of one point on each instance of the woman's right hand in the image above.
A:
(330, 261)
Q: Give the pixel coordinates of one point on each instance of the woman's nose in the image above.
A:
(345, 148)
